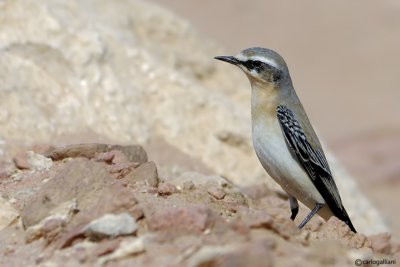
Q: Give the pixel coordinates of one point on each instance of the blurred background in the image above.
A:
(345, 64)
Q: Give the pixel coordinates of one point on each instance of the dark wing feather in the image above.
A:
(313, 161)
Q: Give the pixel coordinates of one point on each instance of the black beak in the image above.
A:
(228, 59)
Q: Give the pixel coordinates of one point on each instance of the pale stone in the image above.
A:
(111, 225)
(7, 213)
(38, 162)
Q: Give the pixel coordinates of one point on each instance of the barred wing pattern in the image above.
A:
(313, 160)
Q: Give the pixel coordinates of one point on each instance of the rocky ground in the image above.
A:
(130, 72)
(107, 205)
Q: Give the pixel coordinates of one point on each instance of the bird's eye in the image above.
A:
(256, 64)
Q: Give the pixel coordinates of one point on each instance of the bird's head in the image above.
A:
(261, 65)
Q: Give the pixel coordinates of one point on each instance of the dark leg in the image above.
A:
(317, 207)
(294, 207)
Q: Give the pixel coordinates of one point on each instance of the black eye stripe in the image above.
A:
(259, 66)
(254, 64)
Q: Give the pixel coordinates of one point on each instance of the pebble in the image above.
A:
(110, 225)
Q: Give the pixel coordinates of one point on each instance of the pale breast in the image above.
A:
(277, 160)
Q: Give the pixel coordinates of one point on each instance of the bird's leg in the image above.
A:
(294, 207)
(317, 207)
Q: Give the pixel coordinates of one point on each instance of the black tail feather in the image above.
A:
(342, 215)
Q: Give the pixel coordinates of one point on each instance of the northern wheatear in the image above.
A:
(283, 138)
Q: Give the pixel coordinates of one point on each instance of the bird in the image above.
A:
(284, 139)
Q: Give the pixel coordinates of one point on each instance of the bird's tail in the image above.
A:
(343, 216)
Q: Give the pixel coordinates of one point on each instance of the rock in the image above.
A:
(257, 191)
(207, 256)
(124, 167)
(359, 241)
(52, 228)
(193, 219)
(198, 179)
(112, 157)
(110, 226)
(6, 169)
(318, 256)
(49, 229)
(121, 157)
(188, 185)
(128, 247)
(112, 199)
(32, 161)
(256, 254)
(336, 227)
(77, 179)
(21, 161)
(137, 213)
(217, 193)
(121, 170)
(41, 148)
(38, 162)
(217, 186)
(118, 161)
(116, 198)
(52, 225)
(106, 157)
(7, 213)
(380, 243)
(105, 247)
(133, 153)
(146, 172)
(255, 218)
(338, 230)
(166, 189)
(286, 229)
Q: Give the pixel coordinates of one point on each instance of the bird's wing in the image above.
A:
(313, 160)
